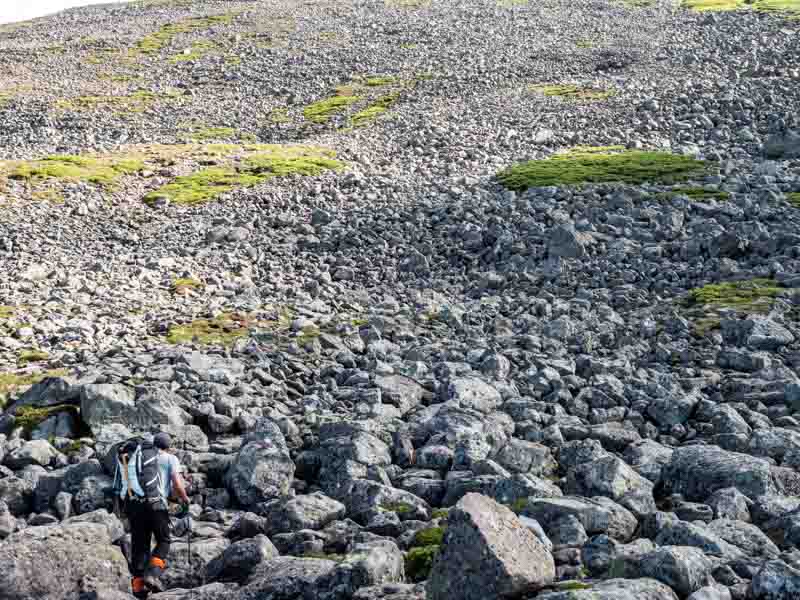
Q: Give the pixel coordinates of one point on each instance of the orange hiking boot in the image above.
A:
(154, 571)
(138, 588)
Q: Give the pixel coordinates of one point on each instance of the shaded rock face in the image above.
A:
(616, 589)
(698, 471)
(487, 552)
(78, 557)
(263, 469)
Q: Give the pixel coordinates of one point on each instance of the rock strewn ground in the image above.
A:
(342, 353)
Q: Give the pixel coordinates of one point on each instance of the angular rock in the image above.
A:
(486, 553)
(59, 561)
(597, 515)
(368, 564)
(473, 393)
(616, 589)
(240, 558)
(682, 568)
(776, 581)
(312, 511)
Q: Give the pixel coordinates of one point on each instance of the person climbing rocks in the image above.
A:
(148, 476)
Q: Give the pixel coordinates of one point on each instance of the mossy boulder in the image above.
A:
(223, 330)
(418, 562)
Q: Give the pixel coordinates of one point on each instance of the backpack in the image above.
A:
(137, 473)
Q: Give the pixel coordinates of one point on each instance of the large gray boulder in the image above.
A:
(611, 477)
(17, 493)
(473, 393)
(756, 332)
(368, 564)
(113, 403)
(776, 581)
(748, 538)
(399, 391)
(648, 458)
(616, 589)
(285, 578)
(783, 145)
(312, 511)
(239, 559)
(673, 409)
(34, 452)
(263, 469)
(682, 568)
(366, 499)
(597, 515)
(487, 553)
(698, 471)
(59, 562)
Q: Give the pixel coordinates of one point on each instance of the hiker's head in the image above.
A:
(162, 441)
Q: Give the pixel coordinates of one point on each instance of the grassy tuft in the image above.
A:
(322, 110)
(431, 536)
(180, 286)
(418, 562)
(632, 167)
(375, 110)
(794, 198)
(6, 312)
(31, 356)
(77, 168)
(136, 102)
(752, 296)
(155, 42)
(214, 133)
(30, 417)
(263, 162)
(279, 115)
(790, 7)
(573, 92)
(197, 50)
(438, 513)
(378, 81)
(565, 586)
(400, 508)
(220, 331)
(697, 193)
(10, 382)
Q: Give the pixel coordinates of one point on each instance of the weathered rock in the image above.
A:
(487, 552)
(682, 568)
(473, 393)
(597, 515)
(240, 558)
(698, 471)
(35, 452)
(263, 469)
(312, 511)
(756, 332)
(616, 589)
(78, 557)
(400, 391)
(611, 477)
(17, 493)
(368, 564)
(776, 581)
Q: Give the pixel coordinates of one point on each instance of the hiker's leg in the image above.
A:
(159, 522)
(140, 548)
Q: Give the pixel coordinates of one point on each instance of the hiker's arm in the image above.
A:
(177, 485)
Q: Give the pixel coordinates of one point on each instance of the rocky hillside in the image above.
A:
(445, 299)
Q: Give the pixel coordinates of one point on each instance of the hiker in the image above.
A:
(147, 477)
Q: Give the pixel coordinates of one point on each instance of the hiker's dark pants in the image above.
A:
(147, 522)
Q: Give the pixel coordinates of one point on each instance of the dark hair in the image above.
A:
(162, 441)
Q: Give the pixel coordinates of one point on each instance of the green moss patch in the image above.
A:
(136, 102)
(750, 296)
(697, 193)
(374, 110)
(11, 382)
(322, 110)
(261, 164)
(418, 562)
(198, 50)
(6, 312)
(75, 168)
(794, 198)
(183, 285)
(30, 417)
(31, 356)
(155, 42)
(790, 7)
(214, 133)
(633, 167)
(378, 81)
(573, 92)
(437, 513)
(220, 331)
(430, 536)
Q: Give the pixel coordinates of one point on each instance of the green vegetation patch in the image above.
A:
(186, 284)
(30, 417)
(136, 102)
(261, 164)
(374, 110)
(223, 330)
(10, 382)
(6, 312)
(566, 586)
(378, 81)
(418, 562)
(794, 198)
(279, 115)
(437, 513)
(322, 110)
(577, 168)
(102, 171)
(698, 194)
(31, 356)
(573, 92)
(790, 7)
(751, 296)
(197, 50)
(162, 38)
(430, 536)
(214, 133)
